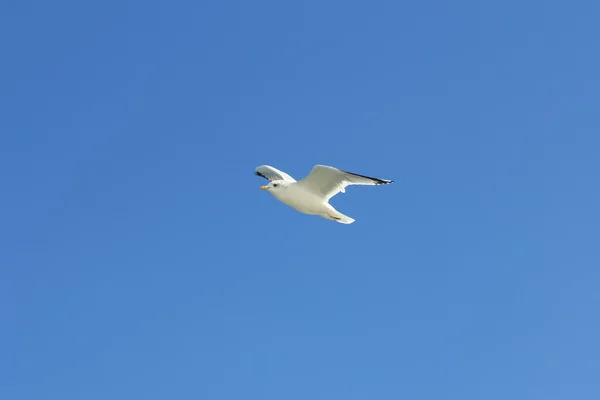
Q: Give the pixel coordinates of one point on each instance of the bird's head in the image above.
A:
(275, 186)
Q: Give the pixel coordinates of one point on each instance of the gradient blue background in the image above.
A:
(139, 260)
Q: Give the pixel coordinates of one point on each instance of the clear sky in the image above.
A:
(140, 260)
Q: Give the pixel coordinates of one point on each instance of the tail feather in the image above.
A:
(339, 217)
(345, 219)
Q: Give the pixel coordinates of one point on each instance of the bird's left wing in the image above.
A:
(327, 181)
(272, 174)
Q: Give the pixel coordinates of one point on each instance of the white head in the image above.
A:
(275, 186)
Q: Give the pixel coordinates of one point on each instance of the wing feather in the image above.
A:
(272, 174)
(328, 181)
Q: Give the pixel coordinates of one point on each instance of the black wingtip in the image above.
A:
(381, 181)
(378, 181)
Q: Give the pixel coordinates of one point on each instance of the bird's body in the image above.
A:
(308, 203)
(311, 195)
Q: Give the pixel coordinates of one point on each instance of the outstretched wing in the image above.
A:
(272, 174)
(327, 181)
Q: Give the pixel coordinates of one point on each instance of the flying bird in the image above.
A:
(311, 195)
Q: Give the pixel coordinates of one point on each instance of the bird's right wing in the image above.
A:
(327, 181)
(272, 174)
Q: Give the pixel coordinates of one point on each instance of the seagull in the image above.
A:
(311, 195)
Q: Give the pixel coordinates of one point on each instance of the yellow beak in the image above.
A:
(264, 188)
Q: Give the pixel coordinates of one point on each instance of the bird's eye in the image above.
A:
(275, 184)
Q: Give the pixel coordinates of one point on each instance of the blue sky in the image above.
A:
(140, 259)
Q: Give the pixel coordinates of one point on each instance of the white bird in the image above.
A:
(311, 195)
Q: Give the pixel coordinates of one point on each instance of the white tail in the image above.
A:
(344, 219)
(337, 216)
